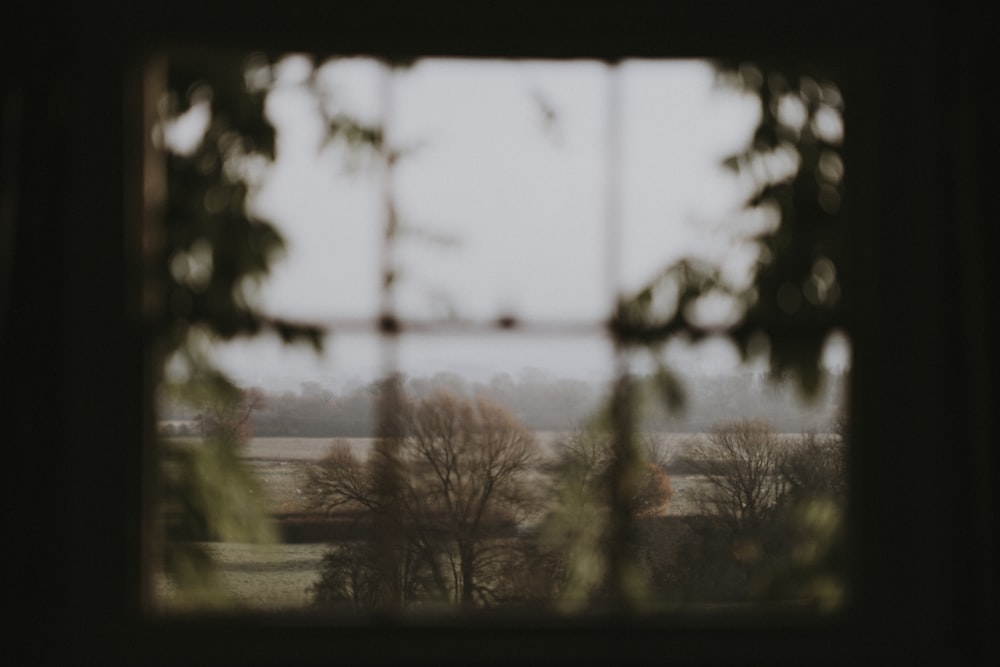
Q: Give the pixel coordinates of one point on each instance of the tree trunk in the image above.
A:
(465, 554)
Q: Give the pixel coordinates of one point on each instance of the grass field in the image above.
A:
(263, 577)
(280, 464)
(272, 577)
(300, 449)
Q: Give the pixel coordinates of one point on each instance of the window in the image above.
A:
(924, 559)
(580, 226)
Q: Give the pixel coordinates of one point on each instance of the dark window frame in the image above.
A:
(920, 163)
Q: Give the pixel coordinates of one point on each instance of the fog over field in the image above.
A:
(545, 404)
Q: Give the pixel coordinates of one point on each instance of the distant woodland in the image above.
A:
(541, 403)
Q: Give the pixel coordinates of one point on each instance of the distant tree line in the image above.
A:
(540, 403)
(711, 399)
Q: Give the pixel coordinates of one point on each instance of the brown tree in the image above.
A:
(577, 534)
(740, 465)
(228, 415)
(588, 454)
(815, 467)
(463, 468)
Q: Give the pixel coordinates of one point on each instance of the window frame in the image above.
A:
(923, 549)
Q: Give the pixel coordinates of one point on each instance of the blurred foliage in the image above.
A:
(206, 259)
(799, 298)
(794, 173)
(207, 491)
(591, 484)
(214, 250)
(208, 494)
(770, 526)
(814, 567)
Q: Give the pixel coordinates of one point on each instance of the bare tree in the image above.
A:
(588, 455)
(463, 468)
(740, 465)
(577, 534)
(341, 480)
(226, 414)
(815, 467)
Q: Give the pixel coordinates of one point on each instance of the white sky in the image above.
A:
(508, 162)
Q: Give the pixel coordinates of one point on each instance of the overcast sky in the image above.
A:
(501, 195)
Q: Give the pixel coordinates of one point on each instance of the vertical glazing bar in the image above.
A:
(620, 577)
(612, 185)
(388, 522)
(387, 304)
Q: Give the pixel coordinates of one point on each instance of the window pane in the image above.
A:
(502, 195)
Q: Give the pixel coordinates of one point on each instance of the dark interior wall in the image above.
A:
(922, 154)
